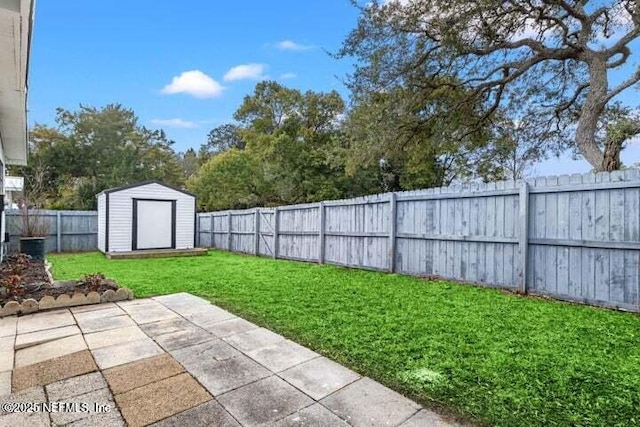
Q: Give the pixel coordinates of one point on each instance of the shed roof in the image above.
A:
(140, 184)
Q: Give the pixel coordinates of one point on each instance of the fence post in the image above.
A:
(392, 232)
(523, 238)
(229, 217)
(256, 230)
(321, 232)
(58, 232)
(276, 226)
(196, 229)
(211, 232)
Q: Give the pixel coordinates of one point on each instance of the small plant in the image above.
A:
(13, 285)
(33, 221)
(93, 281)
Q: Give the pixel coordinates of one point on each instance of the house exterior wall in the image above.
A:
(102, 222)
(121, 215)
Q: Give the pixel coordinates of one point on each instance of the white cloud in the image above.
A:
(175, 123)
(287, 76)
(245, 72)
(194, 83)
(293, 46)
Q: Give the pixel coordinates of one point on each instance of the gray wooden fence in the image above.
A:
(570, 237)
(69, 231)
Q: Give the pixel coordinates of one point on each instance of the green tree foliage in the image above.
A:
(387, 130)
(230, 180)
(557, 56)
(296, 140)
(93, 149)
(190, 163)
(221, 139)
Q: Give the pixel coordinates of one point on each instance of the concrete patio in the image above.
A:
(178, 360)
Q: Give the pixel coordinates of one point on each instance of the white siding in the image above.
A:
(102, 221)
(121, 215)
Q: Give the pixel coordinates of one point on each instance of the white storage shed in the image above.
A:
(145, 216)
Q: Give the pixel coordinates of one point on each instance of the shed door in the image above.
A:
(154, 224)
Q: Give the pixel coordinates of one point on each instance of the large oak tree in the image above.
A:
(558, 56)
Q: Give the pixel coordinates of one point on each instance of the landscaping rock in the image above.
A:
(47, 302)
(123, 294)
(78, 299)
(108, 296)
(63, 300)
(93, 298)
(29, 306)
(10, 308)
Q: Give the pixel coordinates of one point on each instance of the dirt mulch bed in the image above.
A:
(23, 278)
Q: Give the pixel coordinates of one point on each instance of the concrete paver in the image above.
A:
(46, 335)
(5, 383)
(83, 316)
(8, 326)
(282, 355)
(109, 419)
(49, 350)
(319, 377)
(428, 418)
(162, 327)
(229, 327)
(97, 324)
(52, 370)
(149, 312)
(108, 357)
(199, 353)
(45, 320)
(254, 339)
(114, 336)
(184, 338)
(159, 400)
(184, 304)
(314, 415)
(220, 376)
(142, 372)
(97, 397)
(366, 403)
(6, 358)
(29, 419)
(75, 386)
(205, 415)
(84, 308)
(206, 316)
(264, 401)
(33, 419)
(161, 360)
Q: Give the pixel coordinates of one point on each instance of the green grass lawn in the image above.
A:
(491, 357)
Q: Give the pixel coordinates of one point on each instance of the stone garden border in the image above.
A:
(48, 302)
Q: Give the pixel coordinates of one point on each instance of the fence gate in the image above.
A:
(265, 224)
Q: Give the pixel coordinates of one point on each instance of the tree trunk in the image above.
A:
(611, 157)
(591, 112)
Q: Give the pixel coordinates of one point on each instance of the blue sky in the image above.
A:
(185, 66)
